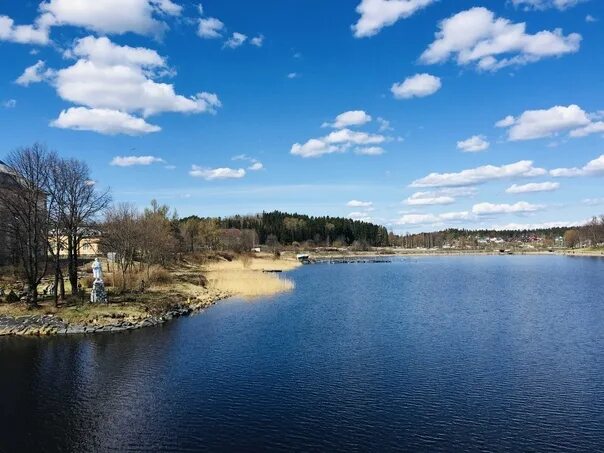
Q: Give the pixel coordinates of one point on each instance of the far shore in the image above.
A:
(397, 252)
(193, 288)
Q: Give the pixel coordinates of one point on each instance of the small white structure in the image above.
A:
(98, 294)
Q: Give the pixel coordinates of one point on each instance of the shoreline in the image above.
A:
(441, 252)
(157, 306)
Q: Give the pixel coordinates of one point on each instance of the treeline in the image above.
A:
(286, 229)
(588, 235)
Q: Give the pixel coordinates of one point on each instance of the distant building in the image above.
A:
(7, 181)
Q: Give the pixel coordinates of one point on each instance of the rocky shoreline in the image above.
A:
(45, 325)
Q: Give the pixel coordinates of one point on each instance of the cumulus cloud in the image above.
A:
(293, 75)
(417, 219)
(130, 161)
(257, 41)
(9, 104)
(592, 128)
(350, 118)
(359, 204)
(102, 51)
(336, 142)
(434, 219)
(592, 168)
(35, 74)
(37, 34)
(236, 40)
(111, 16)
(477, 37)
(533, 187)
(473, 144)
(210, 28)
(546, 4)
(114, 82)
(377, 14)
(384, 124)
(103, 121)
(483, 209)
(480, 175)
(533, 124)
(419, 85)
(360, 216)
(211, 174)
(537, 226)
(255, 164)
(429, 198)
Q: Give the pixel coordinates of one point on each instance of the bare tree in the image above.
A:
(78, 203)
(27, 203)
(122, 236)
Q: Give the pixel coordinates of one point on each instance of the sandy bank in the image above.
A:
(194, 288)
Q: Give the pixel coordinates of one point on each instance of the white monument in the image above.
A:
(98, 295)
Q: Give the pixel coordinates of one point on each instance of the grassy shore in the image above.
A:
(192, 287)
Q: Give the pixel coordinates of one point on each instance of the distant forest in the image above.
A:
(286, 228)
(283, 228)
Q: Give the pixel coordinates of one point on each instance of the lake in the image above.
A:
(431, 353)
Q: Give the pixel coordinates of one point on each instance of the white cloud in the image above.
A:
(479, 175)
(477, 37)
(592, 128)
(376, 14)
(429, 198)
(111, 16)
(370, 151)
(418, 219)
(210, 174)
(473, 144)
(255, 164)
(546, 4)
(236, 40)
(335, 142)
(360, 216)
(103, 51)
(293, 75)
(35, 74)
(534, 124)
(359, 204)
(129, 161)
(452, 216)
(590, 19)
(24, 34)
(112, 77)
(384, 124)
(257, 41)
(434, 219)
(350, 118)
(592, 168)
(9, 104)
(533, 187)
(314, 148)
(483, 209)
(103, 121)
(537, 226)
(419, 85)
(210, 28)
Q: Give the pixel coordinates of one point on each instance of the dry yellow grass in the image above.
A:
(246, 279)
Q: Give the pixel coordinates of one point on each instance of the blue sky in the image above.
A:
(416, 114)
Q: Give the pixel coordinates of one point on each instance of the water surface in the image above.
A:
(447, 353)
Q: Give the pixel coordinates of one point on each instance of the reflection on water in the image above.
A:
(429, 353)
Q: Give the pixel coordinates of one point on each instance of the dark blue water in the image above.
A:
(457, 353)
